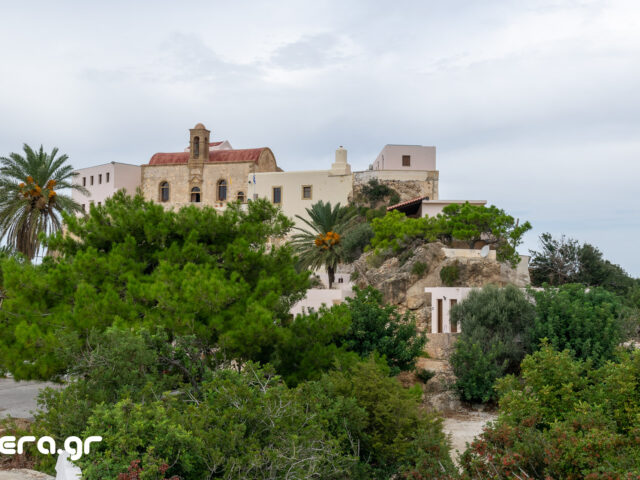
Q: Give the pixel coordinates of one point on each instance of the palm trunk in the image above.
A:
(332, 275)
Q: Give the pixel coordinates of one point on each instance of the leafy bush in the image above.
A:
(314, 342)
(496, 325)
(419, 268)
(563, 419)
(376, 327)
(476, 371)
(425, 375)
(450, 274)
(468, 223)
(355, 241)
(395, 230)
(375, 192)
(391, 433)
(405, 256)
(586, 321)
(244, 424)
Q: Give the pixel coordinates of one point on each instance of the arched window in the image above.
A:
(222, 190)
(195, 194)
(240, 196)
(164, 191)
(196, 147)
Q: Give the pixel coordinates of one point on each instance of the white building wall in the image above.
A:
(128, 177)
(431, 208)
(317, 297)
(445, 295)
(120, 175)
(324, 186)
(390, 158)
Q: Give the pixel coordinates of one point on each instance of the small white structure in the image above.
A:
(103, 181)
(442, 300)
(296, 191)
(424, 207)
(406, 157)
(317, 297)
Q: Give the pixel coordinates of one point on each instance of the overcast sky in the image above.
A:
(532, 105)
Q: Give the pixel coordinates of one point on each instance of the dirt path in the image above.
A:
(463, 428)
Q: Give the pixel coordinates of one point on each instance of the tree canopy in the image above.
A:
(462, 222)
(130, 263)
(30, 202)
(564, 260)
(320, 243)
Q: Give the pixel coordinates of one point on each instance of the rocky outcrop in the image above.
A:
(403, 277)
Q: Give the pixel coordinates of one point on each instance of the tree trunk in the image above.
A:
(332, 275)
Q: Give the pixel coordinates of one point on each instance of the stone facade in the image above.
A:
(408, 184)
(202, 175)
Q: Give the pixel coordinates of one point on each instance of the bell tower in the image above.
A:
(198, 154)
(199, 144)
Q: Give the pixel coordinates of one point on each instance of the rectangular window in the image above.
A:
(108, 177)
(406, 160)
(84, 208)
(277, 195)
(454, 325)
(306, 192)
(99, 178)
(91, 179)
(439, 315)
(99, 204)
(84, 181)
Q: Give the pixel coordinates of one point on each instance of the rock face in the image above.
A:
(403, 277)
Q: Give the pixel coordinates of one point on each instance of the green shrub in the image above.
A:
(355, 241)
(586, 321)
(243, 424)
(376, 259)
(496, 325)
(374, 192)
(450, 274)
(354, 276)
(385, 422)
(468, 223)
(476, 371)
(405, 256)
(380, 328)
(563, 419)
(419, 268)
(425, 375)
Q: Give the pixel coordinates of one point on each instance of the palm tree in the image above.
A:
(29, 202)
(320, 245)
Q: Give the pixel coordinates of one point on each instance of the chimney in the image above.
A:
(340, 166)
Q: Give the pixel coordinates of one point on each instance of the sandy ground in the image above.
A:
(463, 428)
(23, 475)
(18, 399)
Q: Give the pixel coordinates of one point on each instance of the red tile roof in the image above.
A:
(215, 144)
(407, 203)
(215, 156)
